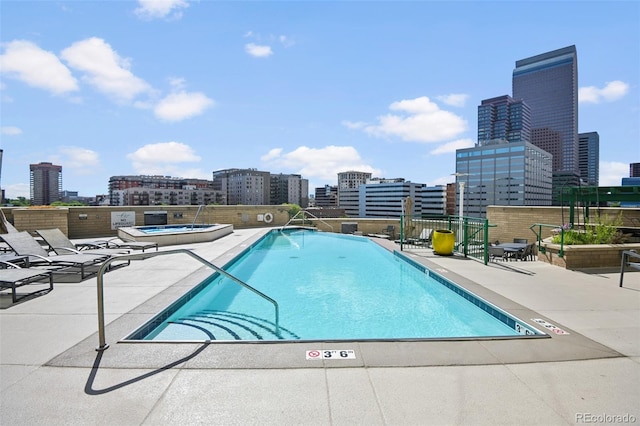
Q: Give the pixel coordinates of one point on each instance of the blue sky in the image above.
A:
(182, 88)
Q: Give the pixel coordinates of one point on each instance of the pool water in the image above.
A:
(330, 287)
(162, 229)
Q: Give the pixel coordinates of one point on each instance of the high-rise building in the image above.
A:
(144, 190)
(386, 198)
(289, 189)
(45, 183)
(434, 200)
(348, 194)
(504, 174)
(589, 157)
(548, 83)
(326, 196)
(1, 188)
(504, 118)
(634, 170)
(244, 186)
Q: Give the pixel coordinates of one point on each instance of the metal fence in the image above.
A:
(471, 234)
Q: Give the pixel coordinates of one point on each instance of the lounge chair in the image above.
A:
(390, 230)
(24, 244)
(423, 238)
(133, 245)
(13, 276)
(60, 244)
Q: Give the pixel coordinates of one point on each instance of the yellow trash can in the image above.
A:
(443, 242)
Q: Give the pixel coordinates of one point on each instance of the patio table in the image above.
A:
(514, 249)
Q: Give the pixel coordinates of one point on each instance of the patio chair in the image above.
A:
(425, 236)
(390, 231)
(13, 276)
(24, 244)
(529, 252)
(497, 253)
(60, 244)
(520, 240)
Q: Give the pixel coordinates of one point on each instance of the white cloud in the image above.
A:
(36, 67)
(182, 105)
(322, 164)
(612, 172)
(258, 51)
(165, 158)
(454, 99)
(16, 190)
(354, 125)
(286, 41)
(612, 91)
(418, 120)
(81, 160)
(104, 69)
(156, 9)
(453, 146)
(11, 130)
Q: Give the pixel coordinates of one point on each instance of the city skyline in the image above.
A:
(309, 88)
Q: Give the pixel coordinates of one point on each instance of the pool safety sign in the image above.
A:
(331, 354)
(549, 326)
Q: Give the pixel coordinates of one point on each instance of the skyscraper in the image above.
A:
(45, 183)
(348, 192)
(504, 118)
(548, 83)
(504, 174)
(589, 157)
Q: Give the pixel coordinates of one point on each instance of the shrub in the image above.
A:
(603, 232)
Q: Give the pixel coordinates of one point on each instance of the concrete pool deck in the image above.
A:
(50, 372)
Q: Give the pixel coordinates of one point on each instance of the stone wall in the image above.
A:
(586, 256)
(91, 222)
(39, 218)
(515, 222)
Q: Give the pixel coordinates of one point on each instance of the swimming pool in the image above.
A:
(328, 287)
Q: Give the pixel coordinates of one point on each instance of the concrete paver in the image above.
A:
(51, 374)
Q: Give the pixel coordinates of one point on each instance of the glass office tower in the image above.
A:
(548, 83)
(503, 173)
(504, 118)
(589, 157)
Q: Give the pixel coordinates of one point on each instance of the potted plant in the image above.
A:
(443, 242)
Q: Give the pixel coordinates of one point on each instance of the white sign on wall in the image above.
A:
(122, 219)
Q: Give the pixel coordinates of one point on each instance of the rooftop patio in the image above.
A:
(51, 374)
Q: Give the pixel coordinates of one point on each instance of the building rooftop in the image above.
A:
(51, 373)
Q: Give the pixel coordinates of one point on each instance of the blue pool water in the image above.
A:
(164, 229)
(329, 287)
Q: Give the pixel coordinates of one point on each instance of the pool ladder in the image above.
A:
(146, 255)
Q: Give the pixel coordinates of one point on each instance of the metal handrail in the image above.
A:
(306, 213)
(196, 216)
(146, 255)
(625, 256)
(539, 236)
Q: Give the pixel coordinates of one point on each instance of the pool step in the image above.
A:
(227, 325)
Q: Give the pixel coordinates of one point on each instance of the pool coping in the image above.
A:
(198, 235)
(286, 355)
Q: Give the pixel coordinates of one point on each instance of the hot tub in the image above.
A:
(166, 235)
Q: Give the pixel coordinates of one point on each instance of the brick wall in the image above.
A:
(515, 222)
(40, 218)
(91, 222)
